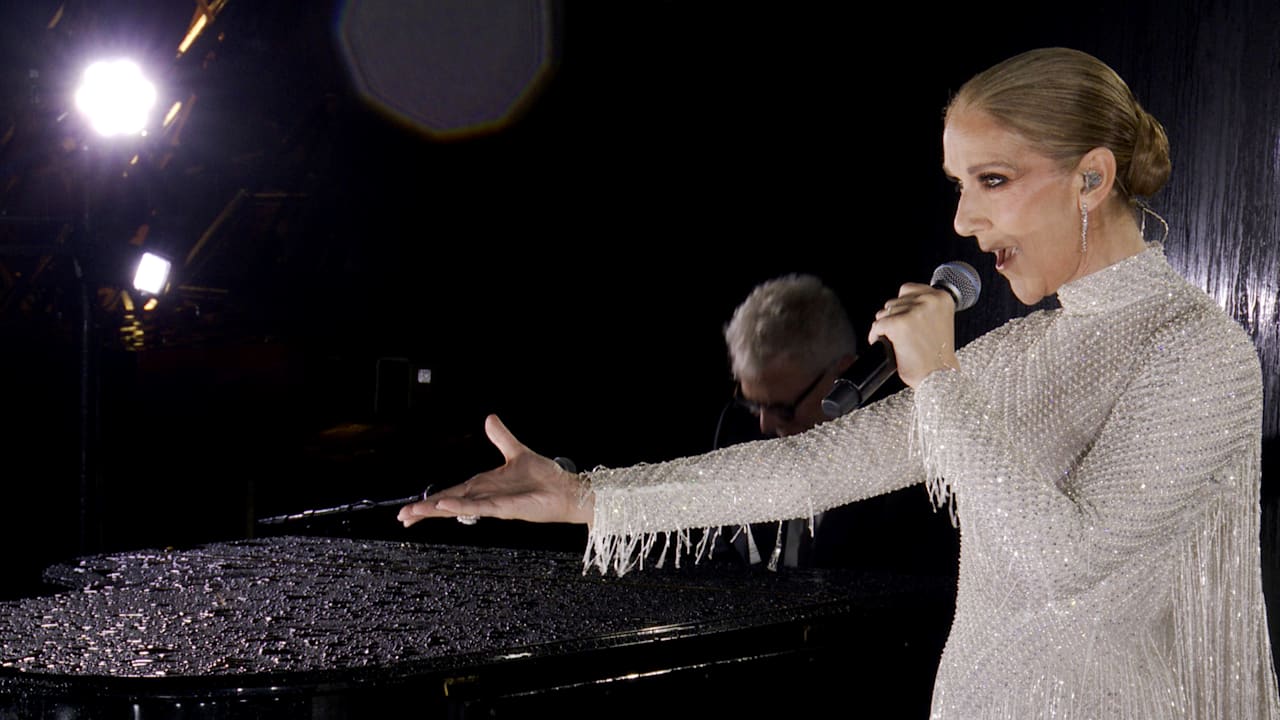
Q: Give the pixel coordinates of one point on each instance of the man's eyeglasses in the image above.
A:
(785, 412)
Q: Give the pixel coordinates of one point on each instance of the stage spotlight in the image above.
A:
(115, 97)
(152, 275)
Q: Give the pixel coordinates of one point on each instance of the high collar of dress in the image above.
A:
(1117, 285)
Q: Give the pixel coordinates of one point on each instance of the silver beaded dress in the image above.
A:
(1101, 461)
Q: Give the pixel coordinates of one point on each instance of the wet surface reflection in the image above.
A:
(302, 604)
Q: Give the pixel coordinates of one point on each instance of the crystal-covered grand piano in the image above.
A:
(320, 628)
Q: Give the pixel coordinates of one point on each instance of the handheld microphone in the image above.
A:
(873, 368)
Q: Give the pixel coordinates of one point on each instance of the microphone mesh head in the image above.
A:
(961, 279)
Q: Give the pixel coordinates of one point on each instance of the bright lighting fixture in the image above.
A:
(115, 97)
(152, 274)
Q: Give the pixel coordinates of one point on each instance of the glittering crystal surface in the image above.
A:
(309, 604)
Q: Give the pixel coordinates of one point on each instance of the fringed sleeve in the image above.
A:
(660, 511)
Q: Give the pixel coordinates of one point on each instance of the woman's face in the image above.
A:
(1017, 203)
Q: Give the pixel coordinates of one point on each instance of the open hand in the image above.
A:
(527, 486)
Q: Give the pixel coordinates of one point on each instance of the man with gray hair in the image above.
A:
(788, 342)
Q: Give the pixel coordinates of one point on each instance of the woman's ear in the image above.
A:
(1097, 175)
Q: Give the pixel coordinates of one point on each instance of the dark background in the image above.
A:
(569, 268)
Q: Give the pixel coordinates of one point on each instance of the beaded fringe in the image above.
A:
(1226, 663)
(622, 551)
(940, 491)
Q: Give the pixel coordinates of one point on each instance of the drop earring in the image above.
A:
(1091, 180)
(1084, 226)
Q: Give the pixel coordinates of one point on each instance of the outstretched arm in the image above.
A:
(527, 486)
